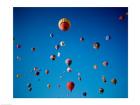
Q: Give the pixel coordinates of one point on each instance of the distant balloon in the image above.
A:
(51, 35)
(84, 93)
(121, 18)
(48, 86)
(29, 85)
(30, 89)
(62, 43)
(64, 24)
(81, 39)
(95, 67)
(114, 81)
(18, 46)
(37, 73)
(105, 63)
(101, 90)
(58, 54)
(52, 57)
(57, 47)
(36, 68)
(18, 75)
(104, 79)
(47, 71)
(79, 78)
(96, 45)
(69, 69)
(33, 49)
(68, 61)
(107, 37)
(18, 58)
(70, 86)
(78, 73)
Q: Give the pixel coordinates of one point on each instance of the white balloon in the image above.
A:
(62, 43)
(58, 54)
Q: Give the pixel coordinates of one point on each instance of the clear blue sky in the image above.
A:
(32, 27)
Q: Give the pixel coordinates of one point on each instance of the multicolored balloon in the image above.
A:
(68, 61)
(69, 69)
(52, 57)
(64, 24)
(96, 45)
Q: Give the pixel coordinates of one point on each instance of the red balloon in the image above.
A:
(70, 86)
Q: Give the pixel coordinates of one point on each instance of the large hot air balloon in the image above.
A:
(64, 24)
(70, 86)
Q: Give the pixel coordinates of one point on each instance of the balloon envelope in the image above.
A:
(70, 86)
(64, 24)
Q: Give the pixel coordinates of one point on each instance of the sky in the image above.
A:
(32, 28)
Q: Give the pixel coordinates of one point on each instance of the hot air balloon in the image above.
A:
(36, 68)
(52, 57)
(121, 18)
(18, 46)
(62, 43)
(107, 37)
(84, 93)
(64, 24)
(78, 73)
(33, 49)
(105, 63)
(79, 78)
(114, 81)
(81, 39)
(37, 73)
(69, 69)
(57, 47)
(18, 75)
(30, 89)
(96, 45)
(29, 85)
(51, 35)
(70, 86)
(48, 86)
(58, 54)
(101, 90)
(18, 58)
(104, 79)
(95, 67)
(68, 61)
(47, 71)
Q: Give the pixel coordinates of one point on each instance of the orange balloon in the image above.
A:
(64, 24)
(70, 86)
